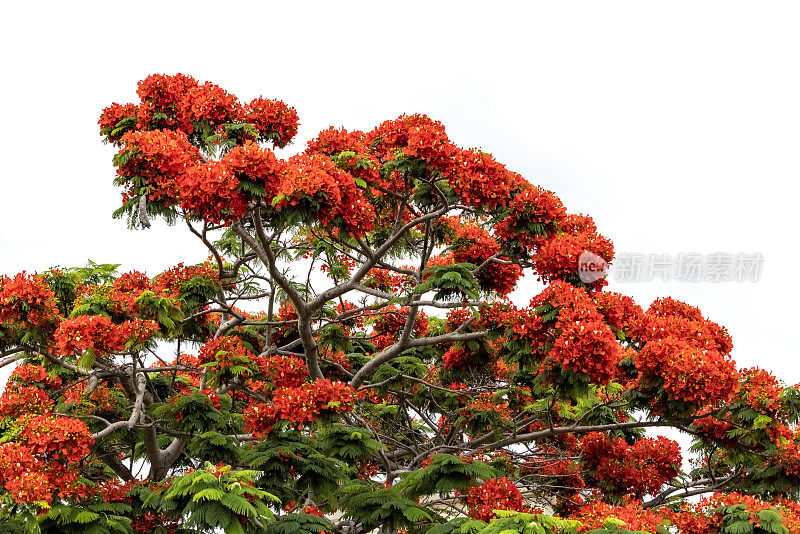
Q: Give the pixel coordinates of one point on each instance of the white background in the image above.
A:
(674, 124)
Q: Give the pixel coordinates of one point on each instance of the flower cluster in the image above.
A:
(18, 400)
(761, 391)
(211, 192)
(473, 244)
(388, 281)
(171, 281)
(282, 371)
(274, 120)
(639, 469)
(164, 102)
(160, 158)
(158, 154)
(224, 352)
(457, 357)
(584, 342)
(620, 312)
(43, 460)
(100, 334)
(27, 301)
(210, 103)
(481, 181)
(413, 136)
(687, 354)
(305, 402)
(30, 374)
(301, 404)
(27, 392)
(635, 518)
(557, 256)
(532, 213)
(315, 185)
(60, 438)
(251, 162)
(351, 153)
(494, 494)
(101, 399)
(112, 116)
(391, 322)
(332, 141)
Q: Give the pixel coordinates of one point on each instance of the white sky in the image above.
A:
(674, 124)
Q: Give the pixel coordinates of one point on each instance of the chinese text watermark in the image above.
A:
(687, 267)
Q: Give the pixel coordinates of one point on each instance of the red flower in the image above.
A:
(494, 494)
(274, 120)
(27, 301)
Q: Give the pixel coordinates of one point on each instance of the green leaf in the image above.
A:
(85, 516)
(234, 527)
(208, 494)
(86, 360)
(761, 421)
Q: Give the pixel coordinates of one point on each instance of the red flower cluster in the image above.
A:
(761, 391)
(352, 155)
(594, 515)
(159, 151)
(18, 400)
(59, 438)
(494, 494)
(485, 402)
(31, 374)
(301, 404)
(390, 323)
(27, 301)
(475, 245)
(557, 256)
(315, 184)
(307, 401)
(533, 212)
(172, 280)
(23, 475)
(27, 392)
(584, 342)
(457, 357)
(210, 103)
(112, 115)
(210, 191)
(457, 317)
(670, 317)
(100, 400)
(282, 371)
(160, 157)
(224, 352)
(686, 353)
(481, 181)
(620, 312)
(251, 162)
(332, 141)
(274, 120)
(712, 428)
(100, 334)
(641, 468)
(164, 102)
(413, 136)
(42, 462)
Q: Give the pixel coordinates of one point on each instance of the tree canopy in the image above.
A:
(348, 358)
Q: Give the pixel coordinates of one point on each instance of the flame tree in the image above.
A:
(348, 359)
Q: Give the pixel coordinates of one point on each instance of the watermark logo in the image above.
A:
(591, 267)
(688, 267)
